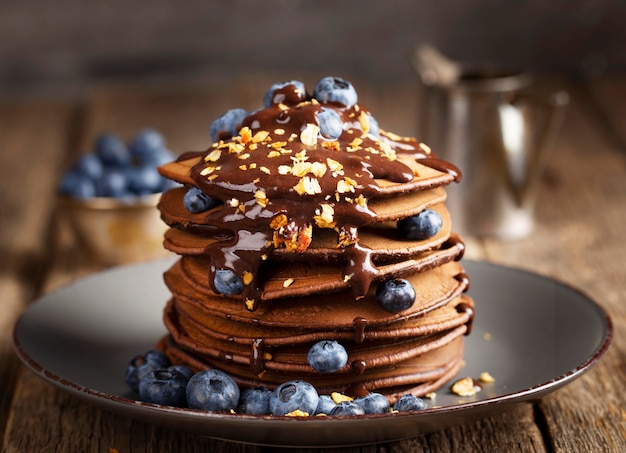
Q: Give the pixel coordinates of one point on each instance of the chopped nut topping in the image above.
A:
(245, 134)
(464, 387)
(486, 377)
(265, 170)
(325, 217)
(213, 156)
(297, 413)
(308, 136)
(287, 283)
(233, 202)
(279, 221)
(364, 121)
(273, 154)
(332, 145)
(346, 185)
(340, 397)
(250, 304)
(279, 131)
(261, 198)
(335, 167)
(260, 136)
(431, 395)
(308, 186)
(247, 278)
(424, 147)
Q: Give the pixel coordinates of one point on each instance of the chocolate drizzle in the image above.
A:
(468, 309)
(360, 323)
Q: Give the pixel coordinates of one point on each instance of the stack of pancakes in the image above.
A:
(308, 225)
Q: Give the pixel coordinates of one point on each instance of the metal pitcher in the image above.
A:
(489, 124)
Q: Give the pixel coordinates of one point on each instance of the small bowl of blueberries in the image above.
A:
(109, 197)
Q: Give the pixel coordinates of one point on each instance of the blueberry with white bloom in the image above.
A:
(254, 401)
(373, 403)
(144, 180)
(276, 94)
(77, 185)
(347, 408)
(212, 390)
(335, 89)
(89, 165)
(228, 124)
(325, 405)
(292, 396)
(374, 129)
(183, 369)
(146, 143)
(112, 151)
(196, 201)
(164, 386)
(395, 295)
(330, 123)
(142, 364)
(227, 282)
(327, 356)
(409, 402)
(113, 183)
(422, 226)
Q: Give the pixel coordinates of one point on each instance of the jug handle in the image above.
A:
(525, 184)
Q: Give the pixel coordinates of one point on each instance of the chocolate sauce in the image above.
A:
(443, 166)
(455, 241)
(463, 278)
(469, 310)
(279, 180)
(257, 361)
(360, 324)
(358, 367)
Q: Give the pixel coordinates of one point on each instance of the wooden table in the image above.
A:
(580, 240)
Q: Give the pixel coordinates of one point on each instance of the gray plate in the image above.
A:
(531, 333)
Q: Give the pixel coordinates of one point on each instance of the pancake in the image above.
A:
(309, 228)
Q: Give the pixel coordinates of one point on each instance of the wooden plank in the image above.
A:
(580, 240)
(33, 140)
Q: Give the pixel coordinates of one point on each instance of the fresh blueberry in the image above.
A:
(227, 124)
(212, 390)
(113, 183)
(294, 395)
(146, 143)
(325, 405)
(227, 282)
(142, 364)
(373, 403)
(183, 369)
(277, 93)
(422, 226)
(89, 165)
(409, 402)
(330, 123)
(254, 401)
(335, 89)
(112, 151)
(395, 295)
(77, 185)
(196, 201)
(160, 157)
(347, 408)
(374, 128)
(327, 356)
(164, 386)
(144, 180)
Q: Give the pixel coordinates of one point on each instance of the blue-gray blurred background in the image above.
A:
(61, 45)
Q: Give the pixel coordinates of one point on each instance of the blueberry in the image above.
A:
(227, 124)
(335, 89)
(183, 369)
(212, 390)
(112, 151)
(254, 401)
(142, 364)
(113, 183)
(196, 201)
(160, 157)
(330, 123)
(277, 93)
(325, 405)
(227, 282)
(373, 403)
(164, 386)
(294, 395)
(147, 142)
(327, 356)
(422, 226)
(144, 180)
(409, 402)
(347, 408)
(90, 166)
(395, 295)
(77, 185)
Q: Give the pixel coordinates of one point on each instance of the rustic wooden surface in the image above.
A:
(579, 240)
